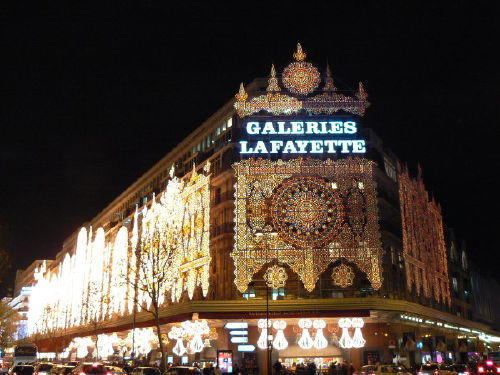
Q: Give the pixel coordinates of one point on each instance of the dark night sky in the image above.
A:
(94, 96)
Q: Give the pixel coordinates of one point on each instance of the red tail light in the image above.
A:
(420, 373)
(82, 373)
(489, 363)
(466, 373)
(436, 372)
(109, 373)
(480, 369)
(498, 370)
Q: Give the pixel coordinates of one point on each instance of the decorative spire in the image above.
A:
(299, 55)
(241, 96)
(329, 86)
(361, 94)
(273, 81)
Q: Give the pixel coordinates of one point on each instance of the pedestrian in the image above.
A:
(277, 367)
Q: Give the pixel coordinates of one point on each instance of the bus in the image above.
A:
(25, 353)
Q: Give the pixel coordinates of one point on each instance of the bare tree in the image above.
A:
(94, 308)
(8, 324)
(151, 275)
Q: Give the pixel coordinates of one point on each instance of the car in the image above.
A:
(382, 370)
(146, 371)
(115, 370)
(61, 370)
(488, 367)
(183, 370)
(90, 369)
(22, 370)
(43, 368)
(461, 369)
(436, 369)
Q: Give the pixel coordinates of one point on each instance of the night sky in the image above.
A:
(94, 96)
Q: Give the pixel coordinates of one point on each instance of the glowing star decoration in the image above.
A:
(320, 341)
(305, 341)
(264, 325)
(176, 333)
(275, 277)
(301, 77)
(345, 340)
(343, 275)
(357, 340)
(279, 342)
(311, 221)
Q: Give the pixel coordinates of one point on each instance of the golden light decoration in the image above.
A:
(261, 238)
(424, 250)
(275, 277)
(301, 77)
(343, 275)
(92, 284)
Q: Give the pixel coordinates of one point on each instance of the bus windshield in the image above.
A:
(25, 351)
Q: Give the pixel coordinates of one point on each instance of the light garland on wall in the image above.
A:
(94, 283)
(347, 224)
(424, 250)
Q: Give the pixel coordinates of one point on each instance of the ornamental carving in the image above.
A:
(305, 213)
(424, 250)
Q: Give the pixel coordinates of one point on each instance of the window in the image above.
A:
(454, 281)
(464, 261)
(390, 169)
(280, 292)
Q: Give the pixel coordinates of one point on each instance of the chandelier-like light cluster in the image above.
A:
(279, 342)
(98, 281)
(306, 341)
(313, 221)
(346, 341)
(193, 331)
(263, 325)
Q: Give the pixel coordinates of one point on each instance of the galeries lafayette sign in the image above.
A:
(301, 137)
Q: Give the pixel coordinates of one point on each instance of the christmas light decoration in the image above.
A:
(345, 340)
(357, 340)
(320, 341)
(301, 78)
(279, 342)
(343, 275)
(275, 277)
(424, 250)
(305, 341)
(305, 222)
(96, 282)
(176, 333)
(263, 325)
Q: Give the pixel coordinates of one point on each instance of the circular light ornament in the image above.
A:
(320, 341)
(306, 212)
(305, 341)
(280, 342)
(301, 77)
(275, 277)
(343, 275)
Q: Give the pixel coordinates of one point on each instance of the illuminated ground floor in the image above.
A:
(233, 333)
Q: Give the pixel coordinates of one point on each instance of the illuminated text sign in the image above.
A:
(301, 137)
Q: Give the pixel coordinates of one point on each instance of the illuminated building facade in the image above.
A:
(280, 213)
